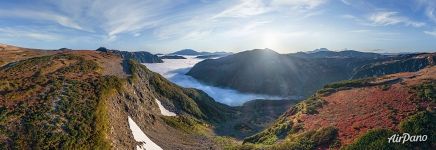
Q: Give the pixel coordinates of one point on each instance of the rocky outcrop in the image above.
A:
(140, 56)
(408, 63)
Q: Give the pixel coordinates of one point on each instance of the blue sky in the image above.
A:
(221, 25)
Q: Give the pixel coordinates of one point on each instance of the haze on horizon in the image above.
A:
(221, 25)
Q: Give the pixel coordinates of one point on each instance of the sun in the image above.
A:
(270, 40)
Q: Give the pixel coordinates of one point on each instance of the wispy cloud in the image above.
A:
(299, 4)
(346, 2)
(117, 20)
(244, 30)
(429, 8)
(42, 15)
(360, 31)
(386, 18)
(132, 17)
(348, 16)
(237, 17)
(117, 17)
(28, 33)
(188, 28)
(113, 17)
(355, 19)
(245, 8)
(432, 33)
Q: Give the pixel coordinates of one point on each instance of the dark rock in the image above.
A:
(102, 49)
(65, 49)
(172, 57)
(141, 56)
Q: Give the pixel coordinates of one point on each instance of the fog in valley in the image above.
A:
(175, 70)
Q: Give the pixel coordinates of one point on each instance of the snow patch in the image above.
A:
(139, 136)
(163, 110)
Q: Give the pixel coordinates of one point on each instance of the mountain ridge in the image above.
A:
(140, 56)
(337, 54)
(196, 53)
(255, 71)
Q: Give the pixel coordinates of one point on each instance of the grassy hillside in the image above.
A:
(361, 114)
(53, 102)
(11, 53)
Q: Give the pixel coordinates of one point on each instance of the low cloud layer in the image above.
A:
(175, 70)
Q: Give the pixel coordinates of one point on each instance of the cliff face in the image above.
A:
(406, 63)
(141, 56)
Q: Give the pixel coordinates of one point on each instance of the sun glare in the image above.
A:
(270, 40)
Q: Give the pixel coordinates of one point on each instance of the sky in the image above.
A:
(164, 26)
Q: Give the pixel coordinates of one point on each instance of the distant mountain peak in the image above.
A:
(348, 53)
(186, 52)
(259, 53)
(264, 50)
(319, 50)
(197, 53)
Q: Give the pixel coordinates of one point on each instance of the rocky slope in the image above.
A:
(359, 114)
(267, 72)
(402, 63)
(140, 56)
